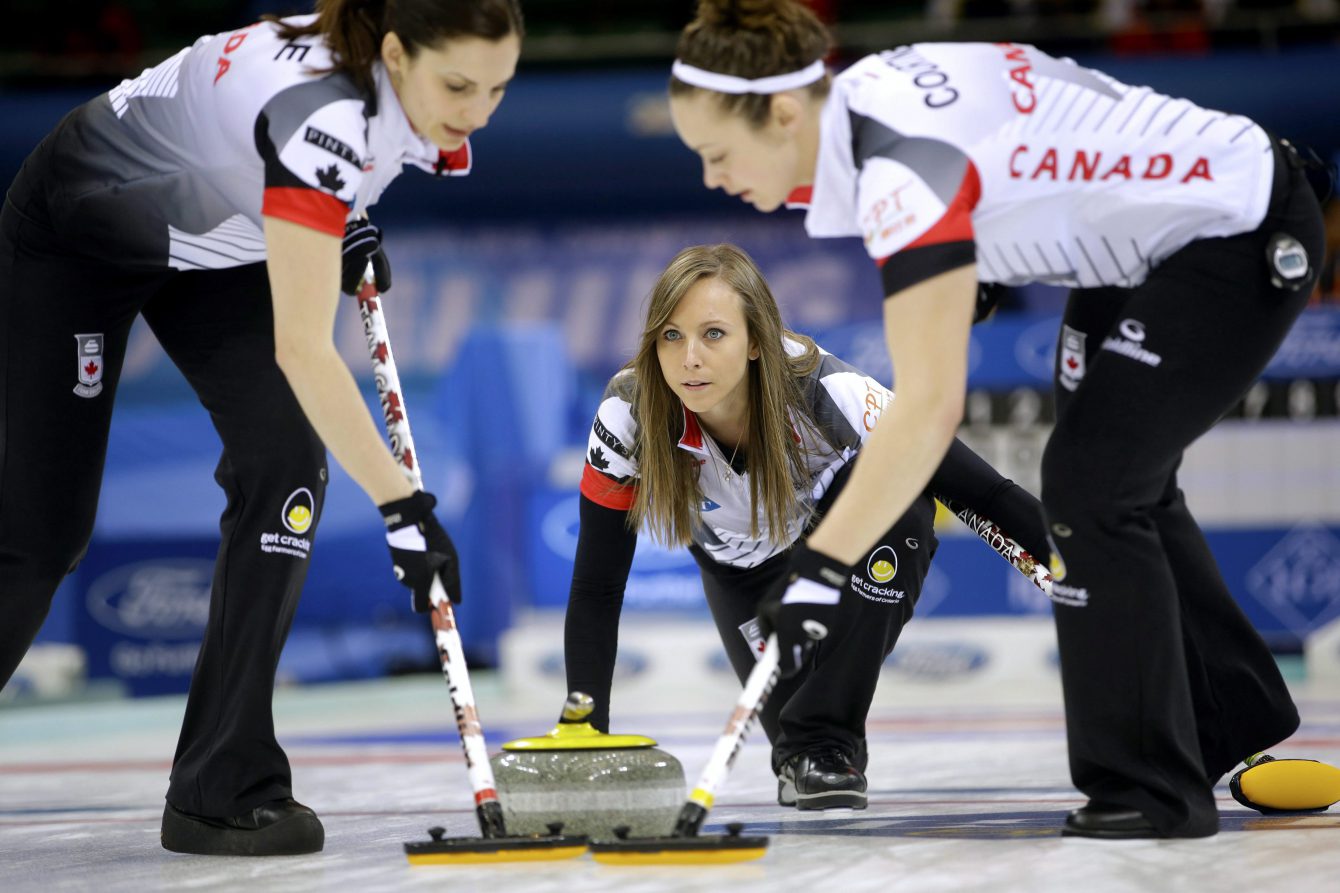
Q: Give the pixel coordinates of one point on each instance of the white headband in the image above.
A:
(726, 83)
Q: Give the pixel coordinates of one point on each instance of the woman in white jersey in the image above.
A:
(729, 434)
(211, 195)
(1187, 236)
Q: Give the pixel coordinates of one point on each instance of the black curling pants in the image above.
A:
(1167, 685)
(826, 703)
(217, 326)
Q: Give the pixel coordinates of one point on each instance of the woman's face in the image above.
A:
(449, 91)
(704, 349)
(760, 165)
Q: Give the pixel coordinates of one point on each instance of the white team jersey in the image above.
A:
(177, 166)
(842, 402)
(1056, 173)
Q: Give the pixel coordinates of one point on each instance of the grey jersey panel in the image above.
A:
(940, 164)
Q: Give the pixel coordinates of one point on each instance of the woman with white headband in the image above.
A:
(1186, 236)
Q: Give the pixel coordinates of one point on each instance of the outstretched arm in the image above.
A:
(926, 328)
(605, 548)
(304, 267)
(965, 478)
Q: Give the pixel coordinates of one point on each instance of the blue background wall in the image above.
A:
(518, 292)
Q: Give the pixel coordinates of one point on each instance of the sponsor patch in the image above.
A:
(1130, 343)
(297, 516)
(331, 144)
(607, 437)
(753, 634)
(298, 510)
(89, 358)
(880, 568)
(1071, 371)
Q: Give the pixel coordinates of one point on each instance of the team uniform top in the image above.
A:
(842, 402)
(1037, 169)
(177, 167)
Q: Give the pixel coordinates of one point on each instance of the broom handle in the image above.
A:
(448, 639)
(764, 676)
(757, 687)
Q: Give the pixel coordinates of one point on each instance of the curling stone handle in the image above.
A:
(690, 820)
(490, 816)
(577, 707)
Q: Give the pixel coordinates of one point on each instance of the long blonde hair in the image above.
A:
(668, 494)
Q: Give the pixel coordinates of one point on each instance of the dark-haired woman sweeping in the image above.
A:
(221, 195)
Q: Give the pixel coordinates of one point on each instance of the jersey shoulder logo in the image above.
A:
(329, 179)
(331, 144)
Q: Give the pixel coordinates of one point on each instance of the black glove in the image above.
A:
(988, 296)
(420, 548)
(803, 608)
(363, 243)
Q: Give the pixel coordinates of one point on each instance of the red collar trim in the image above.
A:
(454, 164)
(800, 197)
(692, 439)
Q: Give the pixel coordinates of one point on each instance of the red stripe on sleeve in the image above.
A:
(956, 224)
(309, 207)
(603, 491)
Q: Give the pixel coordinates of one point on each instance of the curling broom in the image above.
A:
(496, 845)
(685, 845)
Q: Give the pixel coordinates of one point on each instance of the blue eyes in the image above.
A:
(711, 335)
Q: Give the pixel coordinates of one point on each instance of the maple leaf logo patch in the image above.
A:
(328, 178)
(597, 459)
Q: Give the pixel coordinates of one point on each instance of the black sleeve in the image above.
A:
(965, 477)
(605, 547)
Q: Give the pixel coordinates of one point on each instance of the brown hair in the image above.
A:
(668, 495)
(354, 29)
(752, 39)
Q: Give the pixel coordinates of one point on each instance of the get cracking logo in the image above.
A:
(297, 513)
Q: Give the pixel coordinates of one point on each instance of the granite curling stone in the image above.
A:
(589, 781)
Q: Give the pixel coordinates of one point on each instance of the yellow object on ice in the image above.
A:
(706, 856)
(463, 857)
(578, 736)
(1283, 785)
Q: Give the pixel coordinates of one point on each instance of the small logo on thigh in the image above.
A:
(89, 359)
(1071, 371)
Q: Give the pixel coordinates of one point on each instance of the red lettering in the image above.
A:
(1159, 167)
(1121, 169)
(233, 43)
(1020, 75)
(1047, 164)
(1025, 109)
(1083, 167)
(1016, 174)
(1200, 169)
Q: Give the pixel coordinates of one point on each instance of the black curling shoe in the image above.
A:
(278, 828)
(821, 778)
(1107, 823)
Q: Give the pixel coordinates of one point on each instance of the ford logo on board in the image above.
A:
(937, 661)
(166, 598)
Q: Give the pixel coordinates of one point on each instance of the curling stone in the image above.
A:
(589, 781)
